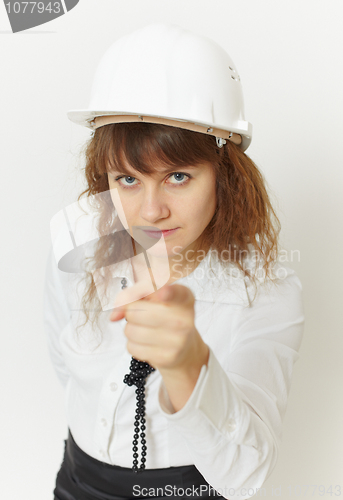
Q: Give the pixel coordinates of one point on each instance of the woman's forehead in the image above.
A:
(156, 150)
(155, 167)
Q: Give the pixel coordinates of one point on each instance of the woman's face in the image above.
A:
(166, 200)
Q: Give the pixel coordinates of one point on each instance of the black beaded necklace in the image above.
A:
(139, 371)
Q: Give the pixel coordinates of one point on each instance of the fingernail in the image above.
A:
(114, 316)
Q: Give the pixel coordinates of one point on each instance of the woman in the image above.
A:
(201, 321)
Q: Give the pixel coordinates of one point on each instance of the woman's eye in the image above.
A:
(178, 176)
(130, 181)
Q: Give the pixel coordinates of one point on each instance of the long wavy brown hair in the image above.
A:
(244, 218)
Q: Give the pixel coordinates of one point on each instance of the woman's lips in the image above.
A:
(157, 234)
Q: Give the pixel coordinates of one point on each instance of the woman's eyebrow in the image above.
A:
(173, 168)
(166, 170)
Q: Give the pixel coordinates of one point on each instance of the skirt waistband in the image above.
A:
(101, 481)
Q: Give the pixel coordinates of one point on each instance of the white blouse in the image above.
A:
(231, 426)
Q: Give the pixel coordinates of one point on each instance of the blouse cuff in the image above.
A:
(165, 405)
(214, 407)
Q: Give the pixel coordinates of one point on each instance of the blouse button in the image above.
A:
(103, 421)
(113, 386)
(101, 452)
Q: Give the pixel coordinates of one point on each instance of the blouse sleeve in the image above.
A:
(56, 315)
(232, 423)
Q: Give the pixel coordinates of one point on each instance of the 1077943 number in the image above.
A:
(17, 7)
(314, 489)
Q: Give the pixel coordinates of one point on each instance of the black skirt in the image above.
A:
(82, 477)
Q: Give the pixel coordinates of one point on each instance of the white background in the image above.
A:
(289, 56)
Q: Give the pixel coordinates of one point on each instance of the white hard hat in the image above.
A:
(165, 74)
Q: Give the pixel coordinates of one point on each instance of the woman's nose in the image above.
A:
(153, 205)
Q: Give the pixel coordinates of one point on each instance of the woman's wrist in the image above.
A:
(180, 381)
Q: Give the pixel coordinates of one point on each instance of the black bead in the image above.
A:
(139, 371)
